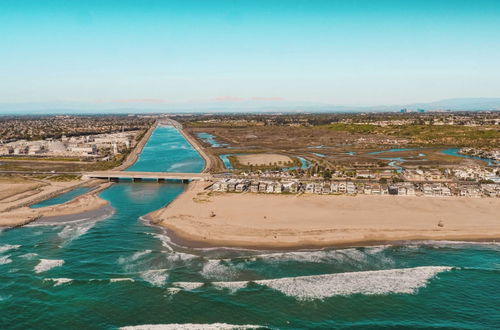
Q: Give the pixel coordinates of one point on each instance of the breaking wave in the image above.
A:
(454, 244)
(215, 269)
(191, 326)
(165, 241)
(121, 279)
(231, 286)
(72, 232)
(7, 247)
(406, 280)
(59, 281)
(189, 286)
(351, 254)
(376, 282)
(133, 257)
(5, 260)
(156, 277)
(29, 256)
(46, 264)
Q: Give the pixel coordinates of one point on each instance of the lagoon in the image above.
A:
(66, 197)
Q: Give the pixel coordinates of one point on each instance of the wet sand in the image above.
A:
(199, 218)
(102, 212)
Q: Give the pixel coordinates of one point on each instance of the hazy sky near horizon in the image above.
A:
(360, 52)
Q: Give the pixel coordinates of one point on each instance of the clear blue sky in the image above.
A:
(339, 52)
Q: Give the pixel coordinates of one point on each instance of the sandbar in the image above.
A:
(82, 204)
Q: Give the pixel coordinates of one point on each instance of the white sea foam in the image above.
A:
(156, 277)
(315, 256)
(59, 281)
(121, 279)
(455, 244)
(405, 280)
(7, 247)
(172, 291)
(180, 256)
(192, 326)
(353, 256)
(165, 241)
(215, 269)
(232, 286)
(5, 260)
(46, 264)
(133, 257)
(74, 231)
(29, 256)
(377, 249)
(189, 286)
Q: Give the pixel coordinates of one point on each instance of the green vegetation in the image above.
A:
(64, 177)
(449, 135)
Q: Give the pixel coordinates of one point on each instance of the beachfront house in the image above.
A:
(410, 190)
(262, 187)
(377, 189)
(351, 188)
(270, 188)
(231, 185)
(326, 188)
(334, 187)
(342, 187)
(310, 188)
(490, 190)
(318, 187)
(216, 186)
(367, 189)
(437, 190)
(427, 190)
(241, 187)
(278, 188)
(254, 187)
(445, 191)
(393, 189)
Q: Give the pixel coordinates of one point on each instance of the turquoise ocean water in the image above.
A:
(119, 271)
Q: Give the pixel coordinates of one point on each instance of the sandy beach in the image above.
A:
(82, 204)
(291, 221)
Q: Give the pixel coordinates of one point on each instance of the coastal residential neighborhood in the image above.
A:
(353, 188)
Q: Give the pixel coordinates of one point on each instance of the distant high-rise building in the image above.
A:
(420, 110)
(404, 110)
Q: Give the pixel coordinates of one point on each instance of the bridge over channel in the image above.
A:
(139, 176)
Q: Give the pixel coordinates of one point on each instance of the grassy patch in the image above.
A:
(449, 135)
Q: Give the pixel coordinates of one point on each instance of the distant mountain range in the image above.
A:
(457, 104)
